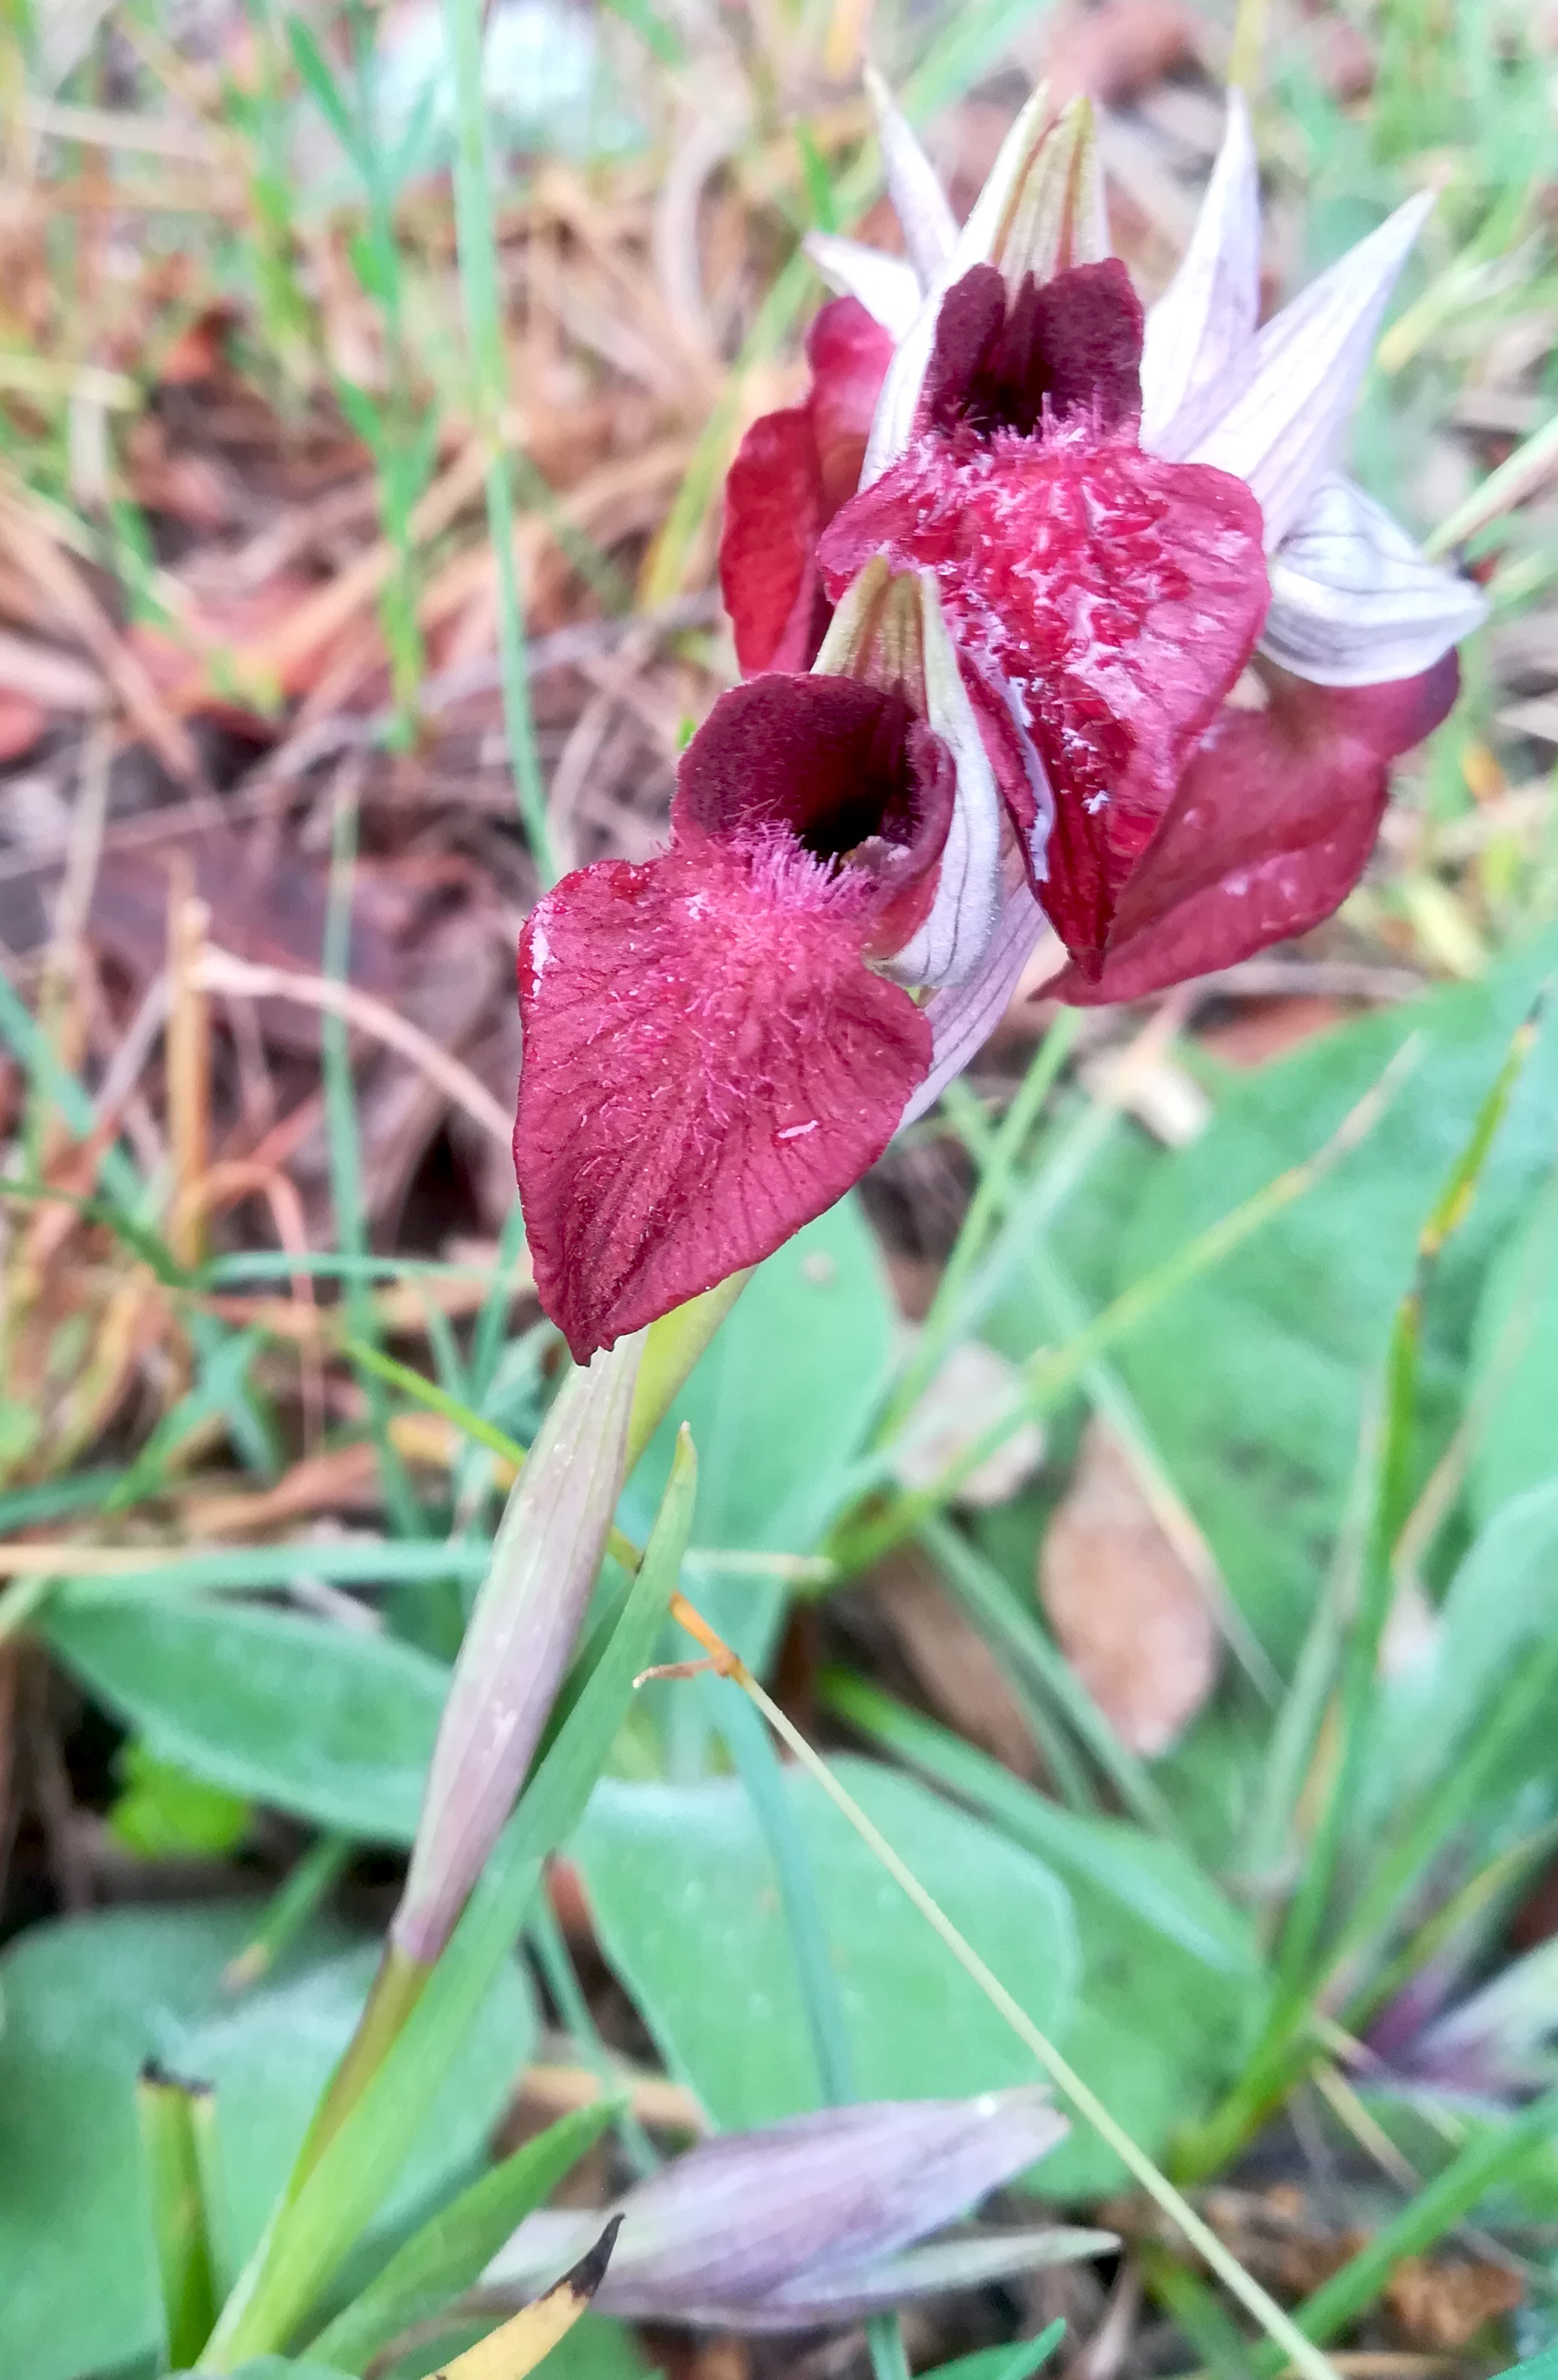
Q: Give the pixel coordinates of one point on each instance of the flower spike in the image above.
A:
(1199, 331)
(1281, 432)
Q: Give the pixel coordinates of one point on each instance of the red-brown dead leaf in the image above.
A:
(267, 902)
(958, 1672)
(1122, 49)
(1442, 2304)
(1128, 1614)
(201, 663)
(22, 722)
(197, 353)
(1269, 1028)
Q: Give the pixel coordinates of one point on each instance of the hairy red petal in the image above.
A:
(1113, 596)
(792, 472)
(1069, 345)
(849, 353)
(841, 769)
(1271, 829)
(708, 1065)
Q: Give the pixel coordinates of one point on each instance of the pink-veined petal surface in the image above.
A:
(709, 1064)
(791, 473)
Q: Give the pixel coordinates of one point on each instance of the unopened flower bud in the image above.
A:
(521, 1632)
(806, 2221)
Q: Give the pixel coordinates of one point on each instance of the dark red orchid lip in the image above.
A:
(709, 1062)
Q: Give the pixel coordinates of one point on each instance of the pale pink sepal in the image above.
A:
(1198, 338)
(887, 288)
(517, 1642)
(1281, 432)
(1040, 212)
(963, 1019)
(930, 228)
(1354, 601)
(950, 946)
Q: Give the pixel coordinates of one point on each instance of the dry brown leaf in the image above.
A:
(1443, 2303)
(1127, 1612)
(1269, 1028)
(1118, 51)
(958, 1672)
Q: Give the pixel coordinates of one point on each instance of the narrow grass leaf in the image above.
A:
(449, 2254)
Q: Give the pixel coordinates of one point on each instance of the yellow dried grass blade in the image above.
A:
(518, 2346)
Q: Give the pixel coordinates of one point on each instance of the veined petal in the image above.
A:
(808, 2199)
(1198, 334)
(1354, 601)
(1281, 429)
(1041, 213)
(791, 473)
(1271, 829)
(888, 632)
(709, 1060)
(930, 228)
(768, 545)
(887, 288)
(709, 1064)
(1041, 210)
(963, 1019)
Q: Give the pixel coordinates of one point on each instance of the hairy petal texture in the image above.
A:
(709, 1064)
(1271, 829)
(1104, 601)
(709, 1060)
(792, 472)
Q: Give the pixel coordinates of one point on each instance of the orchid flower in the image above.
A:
(1025, 543)
(811, 2221)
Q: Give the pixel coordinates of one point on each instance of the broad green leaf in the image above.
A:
(1252, 1380)
(779, 1407)
(1514, 1393)
(330, 1723)
(1151, 1879)
(687, 1902)
(780, 1404)
(87, 2000)
(163, 1813)
(1170, 1988)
